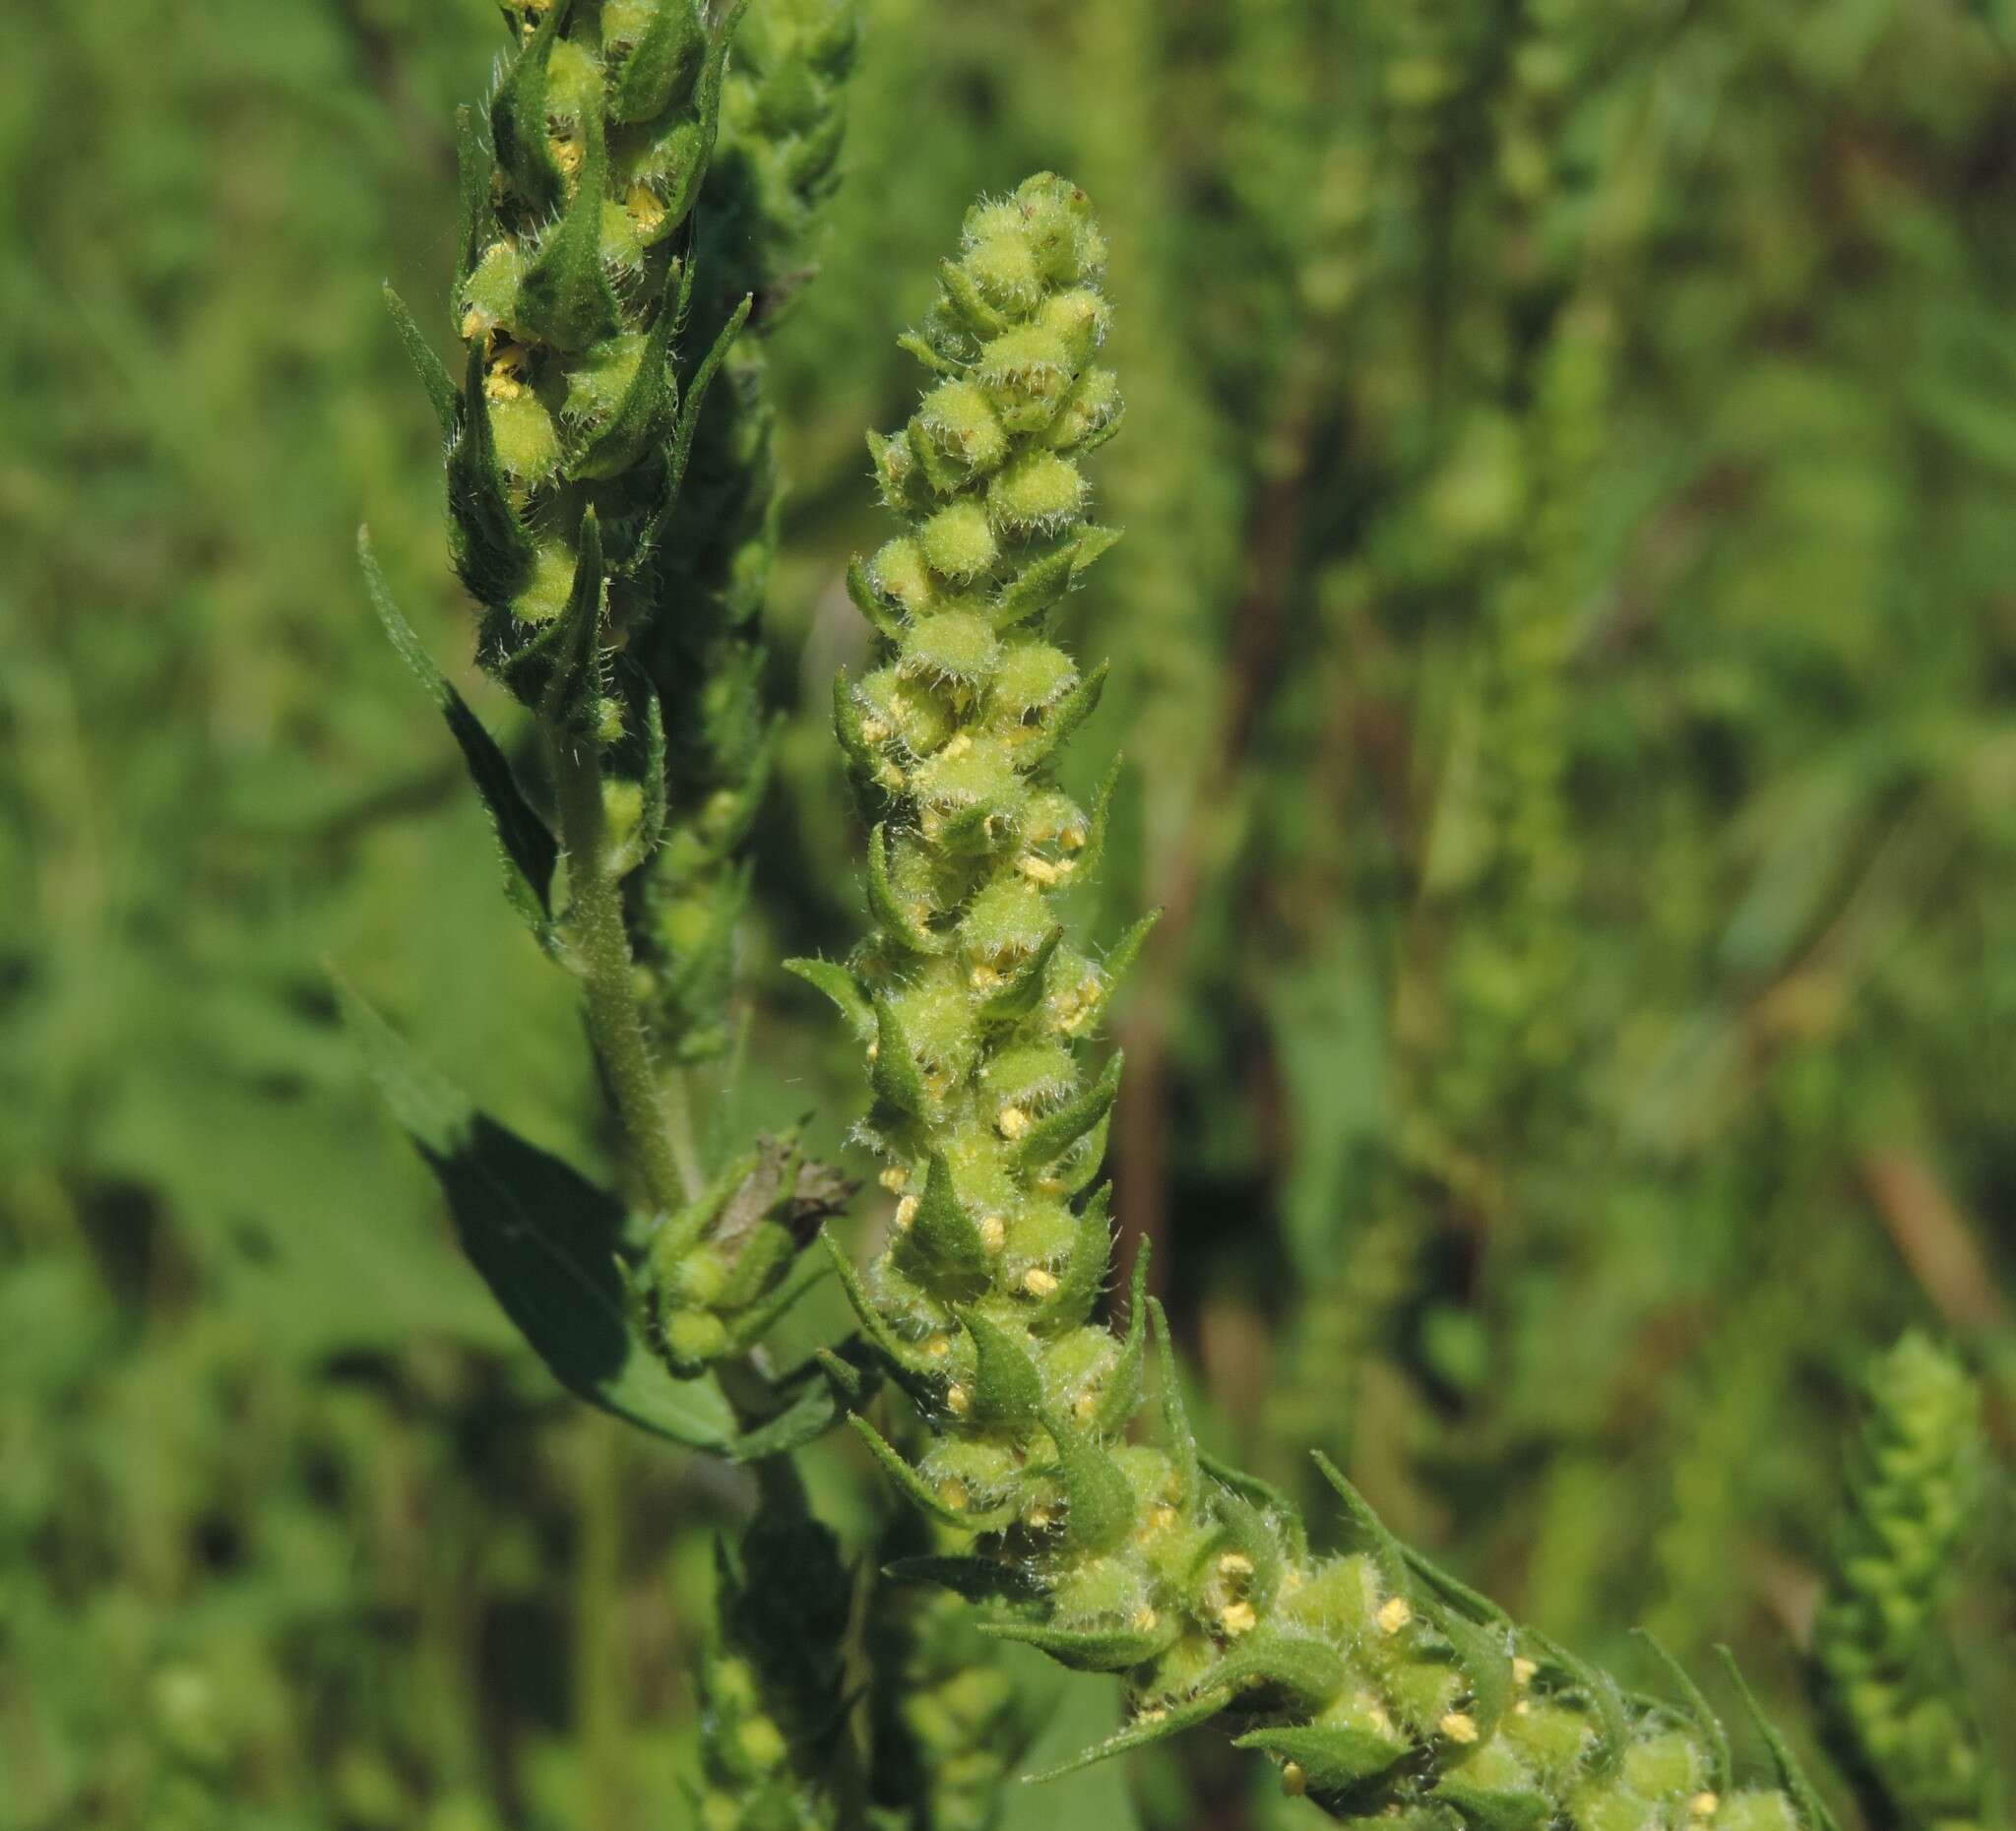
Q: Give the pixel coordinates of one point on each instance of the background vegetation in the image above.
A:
(1565, 647)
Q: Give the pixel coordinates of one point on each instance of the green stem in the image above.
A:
(664, 1149)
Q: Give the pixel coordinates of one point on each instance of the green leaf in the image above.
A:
(887, 906)
(681, 450)
(1084, 1274)
(1087, 1650)
(1063, 719)
(808, 1417)
(707, 106)
(1122, 1390)
(1264, 1495)
(1099, 1502)
(913, 1484)
(518, 115)
(893, 1073)
(880, 613)
(1245, 1527)
(1370, 1530)
(942, 1247)
(493, 551)
(474, 166)
(642, 415)
(1334, 1759)
(1007, 1389)
(546, 1240)
(1485, 1653)
(433, 372)
(1140, 1734)
(1698, 1711)
(565, 297)
(1182, 1440)
(978, 1579)
(1093, 850)
(1024, 992)
(661, 65)
(572, 695)
(1488, 1808)
(1308, 1670)
(841, 985)
(1056, 1132)
(916, 1376)
(1600, 1689)
(528, 851)
(1792, 1776)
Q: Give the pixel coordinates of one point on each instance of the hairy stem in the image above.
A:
(663, 1149)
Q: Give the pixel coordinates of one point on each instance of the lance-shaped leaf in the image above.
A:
(1175, 1420)
(1309, 1671)
(1333, 1758)
(1493, 1808)
(1792, 1776)
(893, 1067)
(442, 391)
(1152, 1726)
(1078, 1169)
(896, 918)
(1007, 1389)
(808, 1416)
(841, 985)
(1613, 1727)
(1243, 1526)
(1088, 1649)
(867, 769)
(681, 450)
(572, 694)
(518, 115)
(978, 1579)
(1063, 719)
(1097, 827)
(1024, 990)
(1056, 1132)
(1370, 1530)
(1471, 1602)
(1084, 1274)
(528, 851)
(473, 165)
(881, 614)
(942, 1249)
(1698, 1712)
(972, 310)
(642, 415)
(1121, 1391)
(921, 1494)
(1484, 1654)
(707, 106)
(493, 551)
(915, 1373)
(545, 1241)
(660, 67)
(1040, 584)
(1099, 1502)
(565, 297)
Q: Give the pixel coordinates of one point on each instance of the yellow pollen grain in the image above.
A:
(1524, 1707)
(906, 1211)
(1072, 839)
(1375, 1715)
(473, 324)
(983, 978)
(938, 1347)
(1704, 1804)
(1012, 1121)
(894, 1177)
(1038, 1519)
(1039, 870)
(873, 730)
(1236, 1564)
(957, 1401)
(874, 1048)
(1290, 1578)
(1459, 1728)
(1155, 1715)
(1295, 1780)
(1238, 1619)
(993, 1233)
(568, 154)
(1037, 1282)
(954, 1495)
(1523, 1670)
(1087, 1408)
(958, 744)
(1049, 1186)
(1395, 1615)
(1144, 1620)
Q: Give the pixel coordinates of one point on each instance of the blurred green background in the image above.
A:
(1565, 649)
